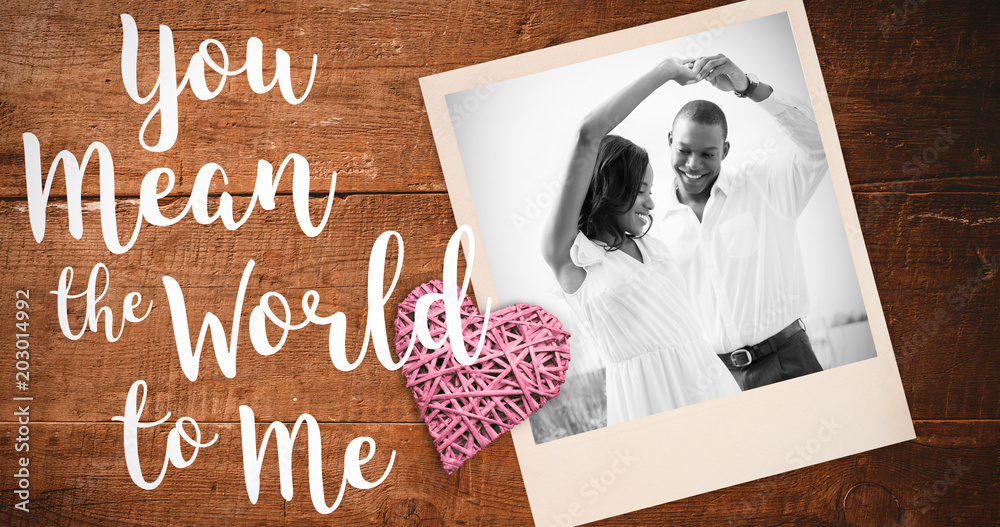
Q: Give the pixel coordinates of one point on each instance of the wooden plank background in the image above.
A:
(894, 80)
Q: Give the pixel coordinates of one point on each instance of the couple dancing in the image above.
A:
(715, 307)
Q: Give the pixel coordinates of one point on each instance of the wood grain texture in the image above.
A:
(948, 472)
(87, 482)
(364, 117)
(932, 239)
(209, 260)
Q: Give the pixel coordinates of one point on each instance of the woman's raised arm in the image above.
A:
(561, 230)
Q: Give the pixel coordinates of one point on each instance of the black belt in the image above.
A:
(745, 356)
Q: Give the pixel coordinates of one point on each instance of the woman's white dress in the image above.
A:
(639, 316)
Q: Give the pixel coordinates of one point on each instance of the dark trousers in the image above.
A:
(795, 359)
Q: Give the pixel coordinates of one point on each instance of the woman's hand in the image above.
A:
(680, 70)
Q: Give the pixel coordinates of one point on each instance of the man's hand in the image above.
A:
(721, 72)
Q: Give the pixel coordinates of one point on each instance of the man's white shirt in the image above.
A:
(743, 261)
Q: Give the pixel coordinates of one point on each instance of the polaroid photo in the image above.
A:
(676, 195)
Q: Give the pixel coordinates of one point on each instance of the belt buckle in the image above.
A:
(732, 358)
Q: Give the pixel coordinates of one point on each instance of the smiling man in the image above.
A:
(734, 232)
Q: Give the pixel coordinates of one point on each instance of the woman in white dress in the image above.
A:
(626, 287)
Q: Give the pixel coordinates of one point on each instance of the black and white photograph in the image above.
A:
(676, 195)
(672, 205)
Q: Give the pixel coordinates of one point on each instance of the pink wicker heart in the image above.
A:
(522, 365)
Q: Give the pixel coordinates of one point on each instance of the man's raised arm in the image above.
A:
(798, 181)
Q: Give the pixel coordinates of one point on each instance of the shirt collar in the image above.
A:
(672, 203)
(725, 182)
(724, 185)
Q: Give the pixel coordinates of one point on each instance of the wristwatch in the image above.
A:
(752, 83)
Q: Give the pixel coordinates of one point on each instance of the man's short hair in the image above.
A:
(703, 112)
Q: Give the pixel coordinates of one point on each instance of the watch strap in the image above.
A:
(752, 84)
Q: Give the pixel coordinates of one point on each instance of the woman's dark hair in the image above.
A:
(614, 187)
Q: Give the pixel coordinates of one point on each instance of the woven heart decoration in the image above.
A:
(522, 365)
